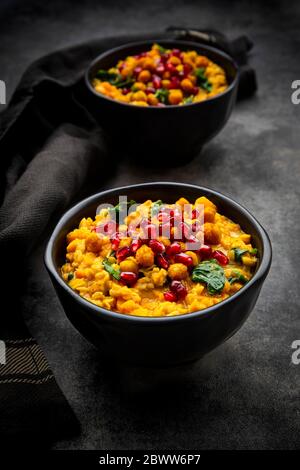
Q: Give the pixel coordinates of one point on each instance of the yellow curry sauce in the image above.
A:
(131, 267)
(161, 77)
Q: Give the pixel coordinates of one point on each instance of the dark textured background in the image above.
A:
(245, 394)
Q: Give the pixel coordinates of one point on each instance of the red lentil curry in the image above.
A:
(130, 266)
(161, 77)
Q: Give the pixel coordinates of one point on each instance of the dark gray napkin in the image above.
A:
(50, 148)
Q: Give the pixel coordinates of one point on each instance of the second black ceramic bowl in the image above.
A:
(163, 341)
(172, 134)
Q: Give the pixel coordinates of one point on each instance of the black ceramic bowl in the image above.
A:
(172, 134)
(157, 341)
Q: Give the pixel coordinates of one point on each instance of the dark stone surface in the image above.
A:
(245, 394)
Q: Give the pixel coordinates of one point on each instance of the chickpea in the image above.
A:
(152, 100)
(174, 60)
(144, 76)
(148, 64)
(212, 233)
(166, 83)
(187, 85)
(129, 265)
(201, 61)
(145, 256)
(139, 86)
(175, 96)
(178, 271)
(139, 96)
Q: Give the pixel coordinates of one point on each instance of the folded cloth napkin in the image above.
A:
(50, 148)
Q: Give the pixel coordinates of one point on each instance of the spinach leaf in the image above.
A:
(111, 270)
(212, 274)
(237, 276)
(162, 95)
(202, 81)
(238, 253)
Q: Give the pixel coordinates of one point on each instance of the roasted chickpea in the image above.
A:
(178, 271)
(175, 96)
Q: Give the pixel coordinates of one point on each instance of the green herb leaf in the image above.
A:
(156, 206)
(117, 209)
(238, 253)
(114, 79)
(202, 80)
(188, 100)
(161, 49)
(162, 95)
(106, 76)
(212, 274)
(70, 276)
(111, 270)
(237, 276)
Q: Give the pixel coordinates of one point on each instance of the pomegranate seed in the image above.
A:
(170, 296)
(125, 91)
(178, 289)
(176, 52)
(137, 70)
(156, 82)
(170, 68)
(165, 230)
(163, 217)
(115, 242)
(184, 230)
(195, 214)
(128, 278)
(196, 226)
(195, 90)
(175, 216)
(122, 253)
(160, 69)
(135, 245)
(220, 257)
(205, 251)
(165, 57)
(175, 83)
(186, 69)
(184, 259)
(173, 249)
(150, 89)
(156, 246)
(110, 227)
(161, 261)
(150, 231)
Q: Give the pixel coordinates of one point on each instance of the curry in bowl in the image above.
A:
(157, 259)
(160, 77)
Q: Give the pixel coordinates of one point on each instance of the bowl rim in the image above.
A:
(151, 41)
(260, 274)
